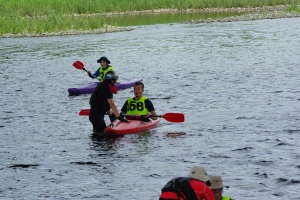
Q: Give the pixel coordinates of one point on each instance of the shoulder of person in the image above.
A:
(148, 101)
(107, 90)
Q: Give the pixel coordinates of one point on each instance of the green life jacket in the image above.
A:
(102, 72)
(225, 198)
(136, 107)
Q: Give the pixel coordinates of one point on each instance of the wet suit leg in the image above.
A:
(97, 119)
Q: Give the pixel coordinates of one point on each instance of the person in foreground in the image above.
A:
(139, 105)
(104, 68)
(193, 187)
(217, 187)
(102, 101)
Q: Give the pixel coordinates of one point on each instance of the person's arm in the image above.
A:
(124, 108)
(96, 74)
(115, 111)
(109, 97)
(113, 107)
(150, 108)
(153, 113)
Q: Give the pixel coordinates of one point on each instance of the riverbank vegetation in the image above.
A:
(293, 8)
(46, 16)
(47, 24)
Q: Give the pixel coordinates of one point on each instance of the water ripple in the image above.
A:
(237, 84)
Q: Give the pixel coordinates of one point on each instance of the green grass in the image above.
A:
(46, 7)
(293, 8)
(40, 16)
(51, 23)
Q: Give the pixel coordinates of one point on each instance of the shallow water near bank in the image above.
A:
(164, 17)
(237, 84)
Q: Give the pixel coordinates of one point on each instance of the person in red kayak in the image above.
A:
(101, 102)
(104, 68)
(139, 105)
(193, 187)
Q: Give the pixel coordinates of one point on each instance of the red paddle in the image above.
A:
(79, 65)
(171, 116)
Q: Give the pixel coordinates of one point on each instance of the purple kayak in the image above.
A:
(90, 87)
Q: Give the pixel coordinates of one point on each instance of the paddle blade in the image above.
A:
(78, 65)
(84, 112)
(174, 117)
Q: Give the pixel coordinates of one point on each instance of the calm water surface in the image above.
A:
(238, 85)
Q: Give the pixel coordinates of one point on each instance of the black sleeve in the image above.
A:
(124, 108)
(149, 105)
(108, 94)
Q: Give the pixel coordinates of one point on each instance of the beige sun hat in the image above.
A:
(216, 182)
(199, 173)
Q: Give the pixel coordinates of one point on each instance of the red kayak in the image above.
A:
(134, 126)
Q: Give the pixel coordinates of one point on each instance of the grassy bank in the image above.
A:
(46, 16)
(293, 8)
(47, 7)
(47, 24)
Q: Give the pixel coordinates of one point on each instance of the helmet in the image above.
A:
(111, 75)
(103, 58)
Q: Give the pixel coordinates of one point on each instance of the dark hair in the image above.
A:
(139, 83)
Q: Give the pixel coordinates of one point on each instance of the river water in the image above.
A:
(237, 83)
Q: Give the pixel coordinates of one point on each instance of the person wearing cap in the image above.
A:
(139, 105)
(102, 102)
(217, 187)
(196, 189)
(104, 68)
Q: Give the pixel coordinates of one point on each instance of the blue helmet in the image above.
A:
(111, 75)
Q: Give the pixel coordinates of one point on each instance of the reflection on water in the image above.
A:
(164, 18)
(237, 84)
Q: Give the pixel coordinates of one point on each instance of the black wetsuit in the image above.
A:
(99, 106)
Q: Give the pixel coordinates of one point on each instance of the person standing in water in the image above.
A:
(102, 102)
(104, 68)
(139, 105)
(217, 187)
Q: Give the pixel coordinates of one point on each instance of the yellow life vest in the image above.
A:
(136, 107)
(102, 72)
(225, 198)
